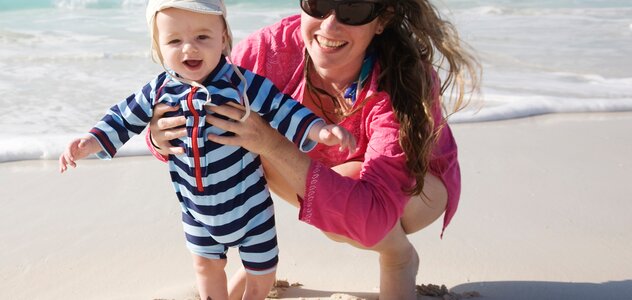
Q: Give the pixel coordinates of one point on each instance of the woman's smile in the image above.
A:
(327, 43)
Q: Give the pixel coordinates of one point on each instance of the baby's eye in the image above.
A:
(173, 42)
(203, 37)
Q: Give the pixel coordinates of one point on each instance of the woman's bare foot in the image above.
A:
(398, 274)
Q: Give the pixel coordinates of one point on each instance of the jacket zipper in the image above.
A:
(194, 140)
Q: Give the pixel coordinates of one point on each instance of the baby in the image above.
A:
(221, 188)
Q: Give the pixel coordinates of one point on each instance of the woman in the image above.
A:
(370, 67)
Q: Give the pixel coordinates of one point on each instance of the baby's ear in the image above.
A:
(226, 43)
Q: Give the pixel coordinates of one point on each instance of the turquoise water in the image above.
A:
(6, 5)
(64, 62)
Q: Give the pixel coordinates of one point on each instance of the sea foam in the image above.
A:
(63, 63)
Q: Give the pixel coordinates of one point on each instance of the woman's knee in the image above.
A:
(394, 243)
(277, 183)
(424, 209)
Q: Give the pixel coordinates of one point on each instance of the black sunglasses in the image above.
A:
(348, 12)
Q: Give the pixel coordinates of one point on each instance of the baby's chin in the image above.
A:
(194, 77)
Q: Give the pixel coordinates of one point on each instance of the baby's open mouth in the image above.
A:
(192, 63)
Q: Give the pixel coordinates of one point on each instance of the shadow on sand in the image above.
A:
(546, 290)
(499, 290)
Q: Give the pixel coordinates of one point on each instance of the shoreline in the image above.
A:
(44, 146)
(544, 214)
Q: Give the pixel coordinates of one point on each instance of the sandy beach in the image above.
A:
(545, 213)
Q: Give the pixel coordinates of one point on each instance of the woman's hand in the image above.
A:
(254, 134)
(163, 129)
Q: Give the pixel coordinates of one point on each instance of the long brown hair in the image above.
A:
(415, 41)
(417, 46)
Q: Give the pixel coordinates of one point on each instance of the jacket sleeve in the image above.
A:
(367, 208)
(124, 120)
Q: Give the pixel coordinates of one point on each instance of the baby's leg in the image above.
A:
(258, 286)
(209, 259)
(259, 254)
(211, 278)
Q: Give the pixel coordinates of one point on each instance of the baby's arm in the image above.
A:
(331, 134)
(76, 150)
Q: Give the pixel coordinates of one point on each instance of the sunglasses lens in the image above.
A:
(356, 13)
(347, 12)
(317, 9)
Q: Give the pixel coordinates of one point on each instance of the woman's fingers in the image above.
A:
(166, 123)
(163, 129)
(253, 133)
(226, 125)
(231, 110)
(161, 108)
(175, 133)
(230, 126)
(176, 150)
(163, 123)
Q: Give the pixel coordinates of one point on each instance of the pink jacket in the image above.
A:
(363, 209)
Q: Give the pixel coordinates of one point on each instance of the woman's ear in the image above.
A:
(385, 19)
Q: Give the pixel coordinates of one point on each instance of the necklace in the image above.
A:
(343, 99)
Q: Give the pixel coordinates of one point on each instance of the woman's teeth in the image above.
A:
(329, 43)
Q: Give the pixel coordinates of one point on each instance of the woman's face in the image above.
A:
(337, 49)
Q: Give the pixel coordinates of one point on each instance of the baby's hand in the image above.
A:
(76, 150)
(333, 134)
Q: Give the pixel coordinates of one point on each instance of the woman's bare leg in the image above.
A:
(210, 277)
(423, 210)
(399, 261)
(399, 264)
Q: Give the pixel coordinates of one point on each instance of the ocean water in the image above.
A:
(63, 63)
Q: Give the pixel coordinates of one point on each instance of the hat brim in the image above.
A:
(203, 8)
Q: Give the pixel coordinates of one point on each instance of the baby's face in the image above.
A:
(191, 43)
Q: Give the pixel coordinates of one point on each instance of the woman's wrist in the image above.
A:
(290, 161)
(151, 141)
(153, 148)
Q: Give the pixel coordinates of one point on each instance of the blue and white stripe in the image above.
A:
(234, 208)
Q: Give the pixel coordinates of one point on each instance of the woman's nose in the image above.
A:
(330, 22)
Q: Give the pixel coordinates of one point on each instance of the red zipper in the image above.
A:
(194, 140)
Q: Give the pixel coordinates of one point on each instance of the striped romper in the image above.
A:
(221, 188)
